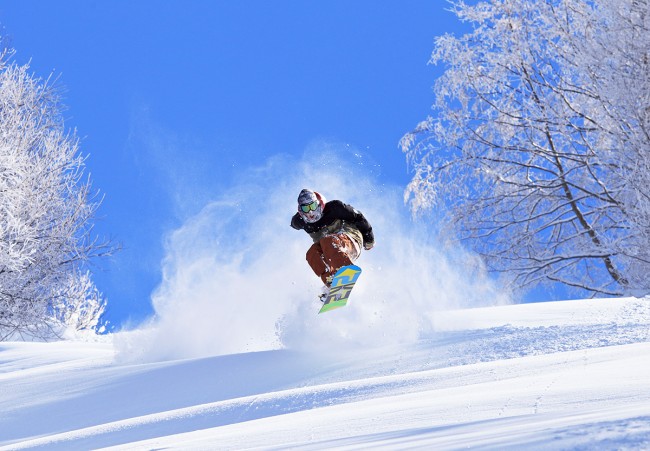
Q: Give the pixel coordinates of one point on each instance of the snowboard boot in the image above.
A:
(324, 293)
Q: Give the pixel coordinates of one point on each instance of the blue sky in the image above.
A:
(174, 100)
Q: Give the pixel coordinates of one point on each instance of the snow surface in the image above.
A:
(557, 375)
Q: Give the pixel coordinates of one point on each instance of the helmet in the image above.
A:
(310, 205)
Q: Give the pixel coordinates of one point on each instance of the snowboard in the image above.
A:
(342, 284)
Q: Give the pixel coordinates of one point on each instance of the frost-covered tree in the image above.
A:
(539, 147)
(615, 61)
(46, 207)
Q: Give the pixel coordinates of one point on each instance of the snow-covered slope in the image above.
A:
(548, 376)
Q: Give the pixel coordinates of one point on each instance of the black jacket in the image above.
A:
(337, 217)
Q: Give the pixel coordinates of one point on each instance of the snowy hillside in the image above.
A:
(558, 375)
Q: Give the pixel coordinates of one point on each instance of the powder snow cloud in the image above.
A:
(235, 277)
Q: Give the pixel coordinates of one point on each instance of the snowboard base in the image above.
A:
(342, 284)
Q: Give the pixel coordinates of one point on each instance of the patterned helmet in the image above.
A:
(310, 205)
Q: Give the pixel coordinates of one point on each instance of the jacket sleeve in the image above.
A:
(355, 217)
(296, 222)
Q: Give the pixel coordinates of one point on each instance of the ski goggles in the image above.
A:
(310, 207)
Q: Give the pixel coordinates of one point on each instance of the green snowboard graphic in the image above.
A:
(342, 285)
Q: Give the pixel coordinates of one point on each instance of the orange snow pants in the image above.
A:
(330, 254)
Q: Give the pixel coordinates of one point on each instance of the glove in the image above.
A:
(367, 245)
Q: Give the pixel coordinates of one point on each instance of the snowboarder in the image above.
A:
(338, 230)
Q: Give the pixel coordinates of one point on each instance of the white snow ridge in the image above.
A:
(557, 375)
